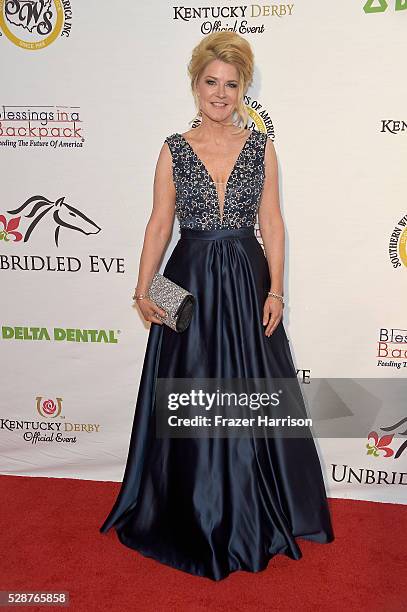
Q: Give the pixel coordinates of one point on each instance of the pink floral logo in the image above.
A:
(48, 407)
(380, 445)
(9, 229)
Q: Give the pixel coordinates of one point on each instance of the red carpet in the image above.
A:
(50, 540)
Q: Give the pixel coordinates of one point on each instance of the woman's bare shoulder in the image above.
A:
(190, 135)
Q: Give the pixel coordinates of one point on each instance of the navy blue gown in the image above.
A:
(211, 506)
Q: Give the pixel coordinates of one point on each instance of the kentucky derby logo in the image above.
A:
(64, 216)
(380, 445)
(48, 408)
(35, 24)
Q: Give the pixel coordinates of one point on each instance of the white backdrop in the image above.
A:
(87, 97)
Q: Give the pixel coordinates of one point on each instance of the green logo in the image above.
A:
(379, 6)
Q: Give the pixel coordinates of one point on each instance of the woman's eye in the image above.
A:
(211, 82)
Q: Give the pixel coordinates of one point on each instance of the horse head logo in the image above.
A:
(64, 216)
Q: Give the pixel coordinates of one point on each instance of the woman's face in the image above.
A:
(217, 90)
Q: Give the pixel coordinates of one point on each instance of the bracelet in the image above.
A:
(139, 296)
(276, 295)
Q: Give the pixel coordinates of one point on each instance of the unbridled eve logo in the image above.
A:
(35, 24)
(64, 217)
(379, 446)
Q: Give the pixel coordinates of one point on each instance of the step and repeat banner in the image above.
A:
(88, 93)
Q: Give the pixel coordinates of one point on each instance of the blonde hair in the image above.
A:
(231, 48)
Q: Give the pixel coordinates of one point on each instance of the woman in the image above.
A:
(213, 505)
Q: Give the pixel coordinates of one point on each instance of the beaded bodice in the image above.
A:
(197, 203)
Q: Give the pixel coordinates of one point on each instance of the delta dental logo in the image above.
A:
(47, 126)
(380, 6)
(35, 24)
(59, 334)
(53, 429)
(398, 244)
(64, 217)
(392, 348)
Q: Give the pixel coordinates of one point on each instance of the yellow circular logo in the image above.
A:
(403, 247)
(43, 22)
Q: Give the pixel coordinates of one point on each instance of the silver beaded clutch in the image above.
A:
(178, 303)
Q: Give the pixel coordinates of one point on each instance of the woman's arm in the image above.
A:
(271, 222)
(273, 235)
(158, 231)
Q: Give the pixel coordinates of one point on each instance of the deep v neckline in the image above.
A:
(211, 181)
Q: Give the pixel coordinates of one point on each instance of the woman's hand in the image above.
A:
(272, 314)
(149, 310)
